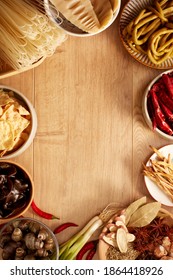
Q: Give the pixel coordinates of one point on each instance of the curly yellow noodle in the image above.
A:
(150, 32)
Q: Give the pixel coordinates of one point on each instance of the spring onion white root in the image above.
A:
(70, 249)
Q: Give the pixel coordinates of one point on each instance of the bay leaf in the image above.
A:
(144, 215)
(133, 207)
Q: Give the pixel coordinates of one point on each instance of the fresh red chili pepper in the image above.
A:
(63, 227)
(87, 247)
(160, 119)
(168, 84)
(42, 213)
(91, 254)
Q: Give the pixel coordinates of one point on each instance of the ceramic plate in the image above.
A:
(129, 12)
(153, 189)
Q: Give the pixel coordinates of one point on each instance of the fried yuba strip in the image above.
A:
(152, 31)
(160, 171)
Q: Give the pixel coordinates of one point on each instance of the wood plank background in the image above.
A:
(92, 137)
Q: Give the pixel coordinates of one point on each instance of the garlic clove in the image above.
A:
(166, 243)
(111, 227)
(160, 251)
(121, 224)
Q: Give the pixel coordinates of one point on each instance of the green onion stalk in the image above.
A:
(70, 248)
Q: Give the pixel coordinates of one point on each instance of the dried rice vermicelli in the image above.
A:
(26, 33)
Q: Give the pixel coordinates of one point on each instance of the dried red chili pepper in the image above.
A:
(63, 227)
(167, 112)
(163, 96)
(151, 112)
(42, 213)
(160, 119)
(168, 84)
(87, 247)
(1, 225)
(91, 254)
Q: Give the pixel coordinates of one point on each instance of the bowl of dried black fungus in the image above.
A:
(27, 239)
(16, 190)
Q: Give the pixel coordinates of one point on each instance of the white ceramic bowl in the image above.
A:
(145, 110)
(67, 26)
(27, 225)
(21, 97)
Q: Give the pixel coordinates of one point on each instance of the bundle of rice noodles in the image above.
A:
(26, 33)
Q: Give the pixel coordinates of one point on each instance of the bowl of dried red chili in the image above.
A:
(157, 105)
(16, 190)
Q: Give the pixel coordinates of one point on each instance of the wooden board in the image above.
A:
(92, 137)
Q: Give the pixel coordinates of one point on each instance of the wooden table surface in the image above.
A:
(91, 138)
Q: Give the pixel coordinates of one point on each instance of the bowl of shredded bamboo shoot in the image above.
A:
(82, 18)
(158, 174)
(27, 34)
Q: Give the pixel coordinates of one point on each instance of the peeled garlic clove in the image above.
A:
(166, 258)
(160, 251)
(123, 218)
(121, 224)
(166, 243)
(111, 227)
(171, 250)
(121, 239)
(105, 229)
(111, 235)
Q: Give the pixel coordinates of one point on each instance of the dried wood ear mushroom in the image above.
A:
(15, 190)
(20, 243)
